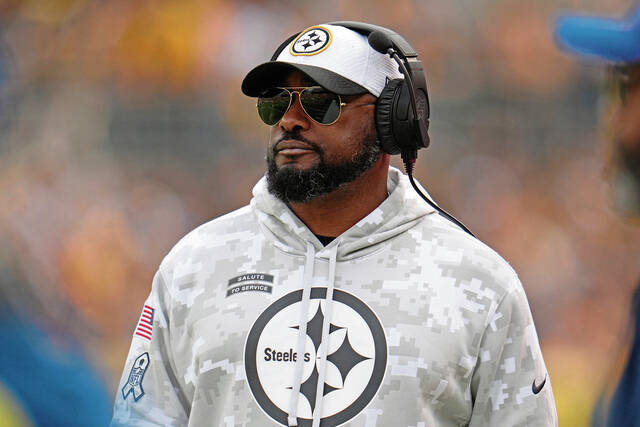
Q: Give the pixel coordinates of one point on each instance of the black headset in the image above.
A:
(401, 100)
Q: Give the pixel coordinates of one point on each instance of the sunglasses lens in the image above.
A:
(320, 105)
(272, 107)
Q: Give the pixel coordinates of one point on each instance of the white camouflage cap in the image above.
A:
(337, 58)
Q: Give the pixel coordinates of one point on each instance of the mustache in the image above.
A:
(297, 137)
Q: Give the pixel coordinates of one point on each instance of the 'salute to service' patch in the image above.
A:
(250, 282)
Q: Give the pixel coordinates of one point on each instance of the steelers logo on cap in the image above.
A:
(311, 41)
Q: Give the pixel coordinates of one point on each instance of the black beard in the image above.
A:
(293, 185)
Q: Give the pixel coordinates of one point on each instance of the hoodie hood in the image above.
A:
(399, 212)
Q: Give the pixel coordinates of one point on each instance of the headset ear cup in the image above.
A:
(384, 117)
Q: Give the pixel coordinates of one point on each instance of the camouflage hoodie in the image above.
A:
(403, 320)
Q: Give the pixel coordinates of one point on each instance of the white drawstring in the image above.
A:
(324, 344)
(292, 420)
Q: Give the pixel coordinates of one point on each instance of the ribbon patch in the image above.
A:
(134, 384)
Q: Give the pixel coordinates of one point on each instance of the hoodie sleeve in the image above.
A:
(149, 394)
(510, 384)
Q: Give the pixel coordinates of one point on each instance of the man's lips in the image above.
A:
(292, 147)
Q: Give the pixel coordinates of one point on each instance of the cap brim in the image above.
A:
(273, 74)
(610, 40)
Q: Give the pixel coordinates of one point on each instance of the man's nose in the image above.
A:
(295, 119)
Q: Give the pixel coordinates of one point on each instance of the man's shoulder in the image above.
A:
(214, 235)
(467, 258)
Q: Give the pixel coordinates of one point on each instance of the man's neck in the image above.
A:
(334, 213)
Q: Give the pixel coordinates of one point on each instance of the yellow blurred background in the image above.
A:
(122, 126)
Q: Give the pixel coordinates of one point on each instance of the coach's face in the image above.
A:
(339, 141)
(307, 159)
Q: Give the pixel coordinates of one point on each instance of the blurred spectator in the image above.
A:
(45, 377)
(616, 42)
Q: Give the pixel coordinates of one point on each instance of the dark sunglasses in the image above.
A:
(320, 105)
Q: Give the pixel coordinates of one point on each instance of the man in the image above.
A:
(338, 296)
(616, 43)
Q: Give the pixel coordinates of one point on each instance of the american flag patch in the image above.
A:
(145, 324)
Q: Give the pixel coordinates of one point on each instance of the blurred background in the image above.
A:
(122, 127)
